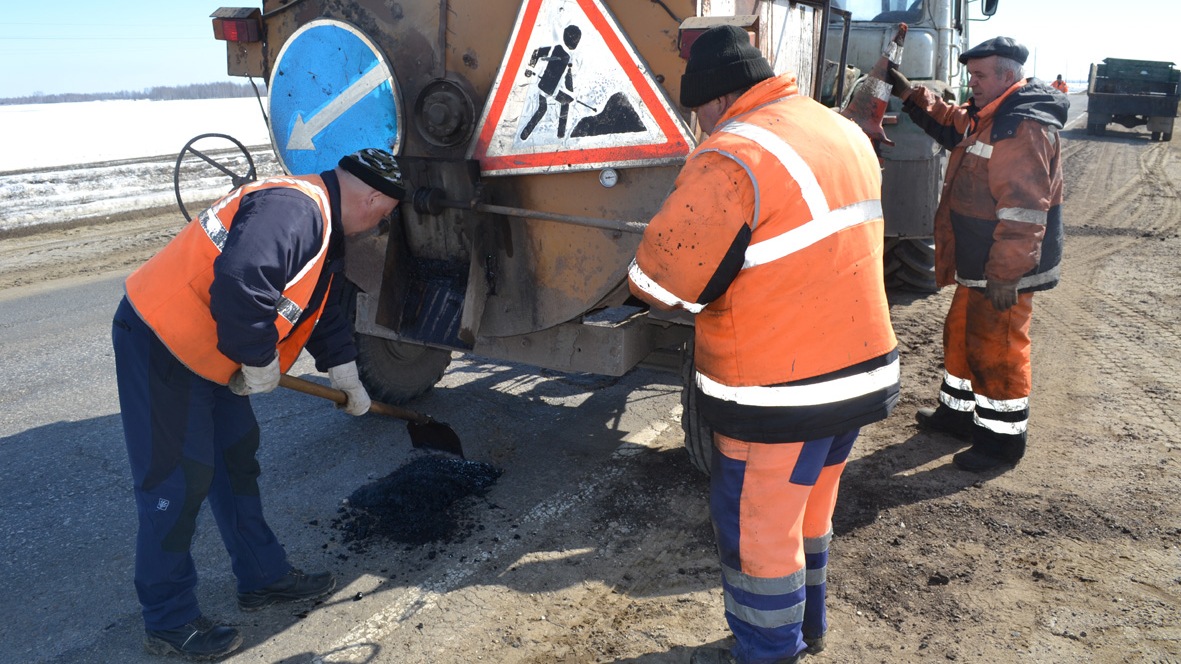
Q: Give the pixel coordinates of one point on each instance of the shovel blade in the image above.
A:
(434, 435)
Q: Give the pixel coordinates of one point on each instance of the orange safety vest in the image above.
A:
(170, 292)
(809, 301)
(1059, 86)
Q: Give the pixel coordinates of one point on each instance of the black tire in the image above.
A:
(1167, 136)
(1156, 136)
(1098, 129)
(395, 372)
(909, 264)
(699, 436)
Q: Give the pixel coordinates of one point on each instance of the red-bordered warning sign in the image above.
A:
(572, 94)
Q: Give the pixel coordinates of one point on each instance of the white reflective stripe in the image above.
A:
(962, 405)
(645, 283)
(289, 310)
(1024, 215)
(817, 544)
(983, 150)
(755, 585)
(831, 391)
(791, 160)
(812, 232)
(816, 577)
(957, 383)
(754, 221)
(879, 88)
(1004, 428)
(1003, 405)
(765, 619)
(214, 229)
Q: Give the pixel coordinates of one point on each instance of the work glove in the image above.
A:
(255, 380)
(902, 84)
(344, 378)
(1002, 295)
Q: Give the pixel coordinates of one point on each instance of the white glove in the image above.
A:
(344, 378)
(255, 380)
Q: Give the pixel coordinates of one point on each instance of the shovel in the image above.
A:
(425, 432)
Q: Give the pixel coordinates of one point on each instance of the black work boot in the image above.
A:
(294, 587)
(201, 639)
(945, 420)
(815, 644)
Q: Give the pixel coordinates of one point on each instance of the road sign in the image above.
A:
(572, 94)
(331, 93)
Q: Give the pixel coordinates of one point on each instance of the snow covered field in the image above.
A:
(62, 162)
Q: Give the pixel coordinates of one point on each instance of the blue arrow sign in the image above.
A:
(331, 93)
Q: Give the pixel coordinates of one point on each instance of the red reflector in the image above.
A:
(235, 29)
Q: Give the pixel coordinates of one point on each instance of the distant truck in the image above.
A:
(1133, 93)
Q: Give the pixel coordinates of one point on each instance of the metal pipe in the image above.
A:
(617, 225)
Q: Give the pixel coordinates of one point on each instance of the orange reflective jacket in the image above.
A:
(793, 333)
(170, 292)
(1060, 86)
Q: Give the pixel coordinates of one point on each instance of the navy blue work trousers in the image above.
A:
(188, 439)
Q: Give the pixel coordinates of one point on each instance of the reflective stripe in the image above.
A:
(983, 150)
(289, 310)
(810, 233)
(765, 619)
(957, 383)
(816, 577)
(1003, 405)
(877, 87)
(646, 284)
(1024, 215)
(814, 394)
(781, 585)
(796, 166)
(962, 405)
(817, 544)
(213, 227)
(1030, 281)
(1005, 428)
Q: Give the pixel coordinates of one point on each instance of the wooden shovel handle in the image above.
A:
(339, 397)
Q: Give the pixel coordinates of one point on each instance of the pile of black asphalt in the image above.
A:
(421, 502)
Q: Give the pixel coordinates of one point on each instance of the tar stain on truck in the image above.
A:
(418, 503)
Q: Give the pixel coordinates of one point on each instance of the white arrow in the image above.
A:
(303, 132)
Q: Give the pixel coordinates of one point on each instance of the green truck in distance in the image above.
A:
(1133, 93)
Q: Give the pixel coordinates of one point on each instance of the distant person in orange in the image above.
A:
(1060, 85)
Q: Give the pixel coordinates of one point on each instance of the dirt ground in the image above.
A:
(1074, 556)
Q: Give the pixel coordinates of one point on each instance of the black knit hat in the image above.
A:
(721, 61)
(378, 169)
(1004, 47)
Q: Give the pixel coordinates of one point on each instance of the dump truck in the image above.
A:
(1133, 93)
(538, 138)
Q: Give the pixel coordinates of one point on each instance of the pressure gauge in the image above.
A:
(608, 177)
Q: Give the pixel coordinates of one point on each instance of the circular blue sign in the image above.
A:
(331, 94)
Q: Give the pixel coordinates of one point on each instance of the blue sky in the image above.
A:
(59, 46)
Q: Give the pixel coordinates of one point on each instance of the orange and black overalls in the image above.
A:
(1000, 218)
(773, 238)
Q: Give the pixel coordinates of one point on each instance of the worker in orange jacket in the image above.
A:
(1060, 85)
(217, 315)
(773, 238)
(998, 238)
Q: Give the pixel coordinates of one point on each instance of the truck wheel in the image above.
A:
(699, 436)
(909, 264)
(1156, 135)
(395, 372)
(1167, 136)
(1096, 129)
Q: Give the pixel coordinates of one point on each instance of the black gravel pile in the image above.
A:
(416, 504)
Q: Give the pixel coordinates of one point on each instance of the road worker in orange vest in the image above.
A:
(215, 316)
(1060, 85)
(772, 236)
(998, 238)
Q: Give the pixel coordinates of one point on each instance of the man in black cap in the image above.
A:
(998, 238)
(219, 314)
(773, 237)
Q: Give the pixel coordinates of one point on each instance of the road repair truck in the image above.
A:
(538, 137)
(1133, 93)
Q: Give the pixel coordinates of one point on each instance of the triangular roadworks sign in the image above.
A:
(572, 94)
